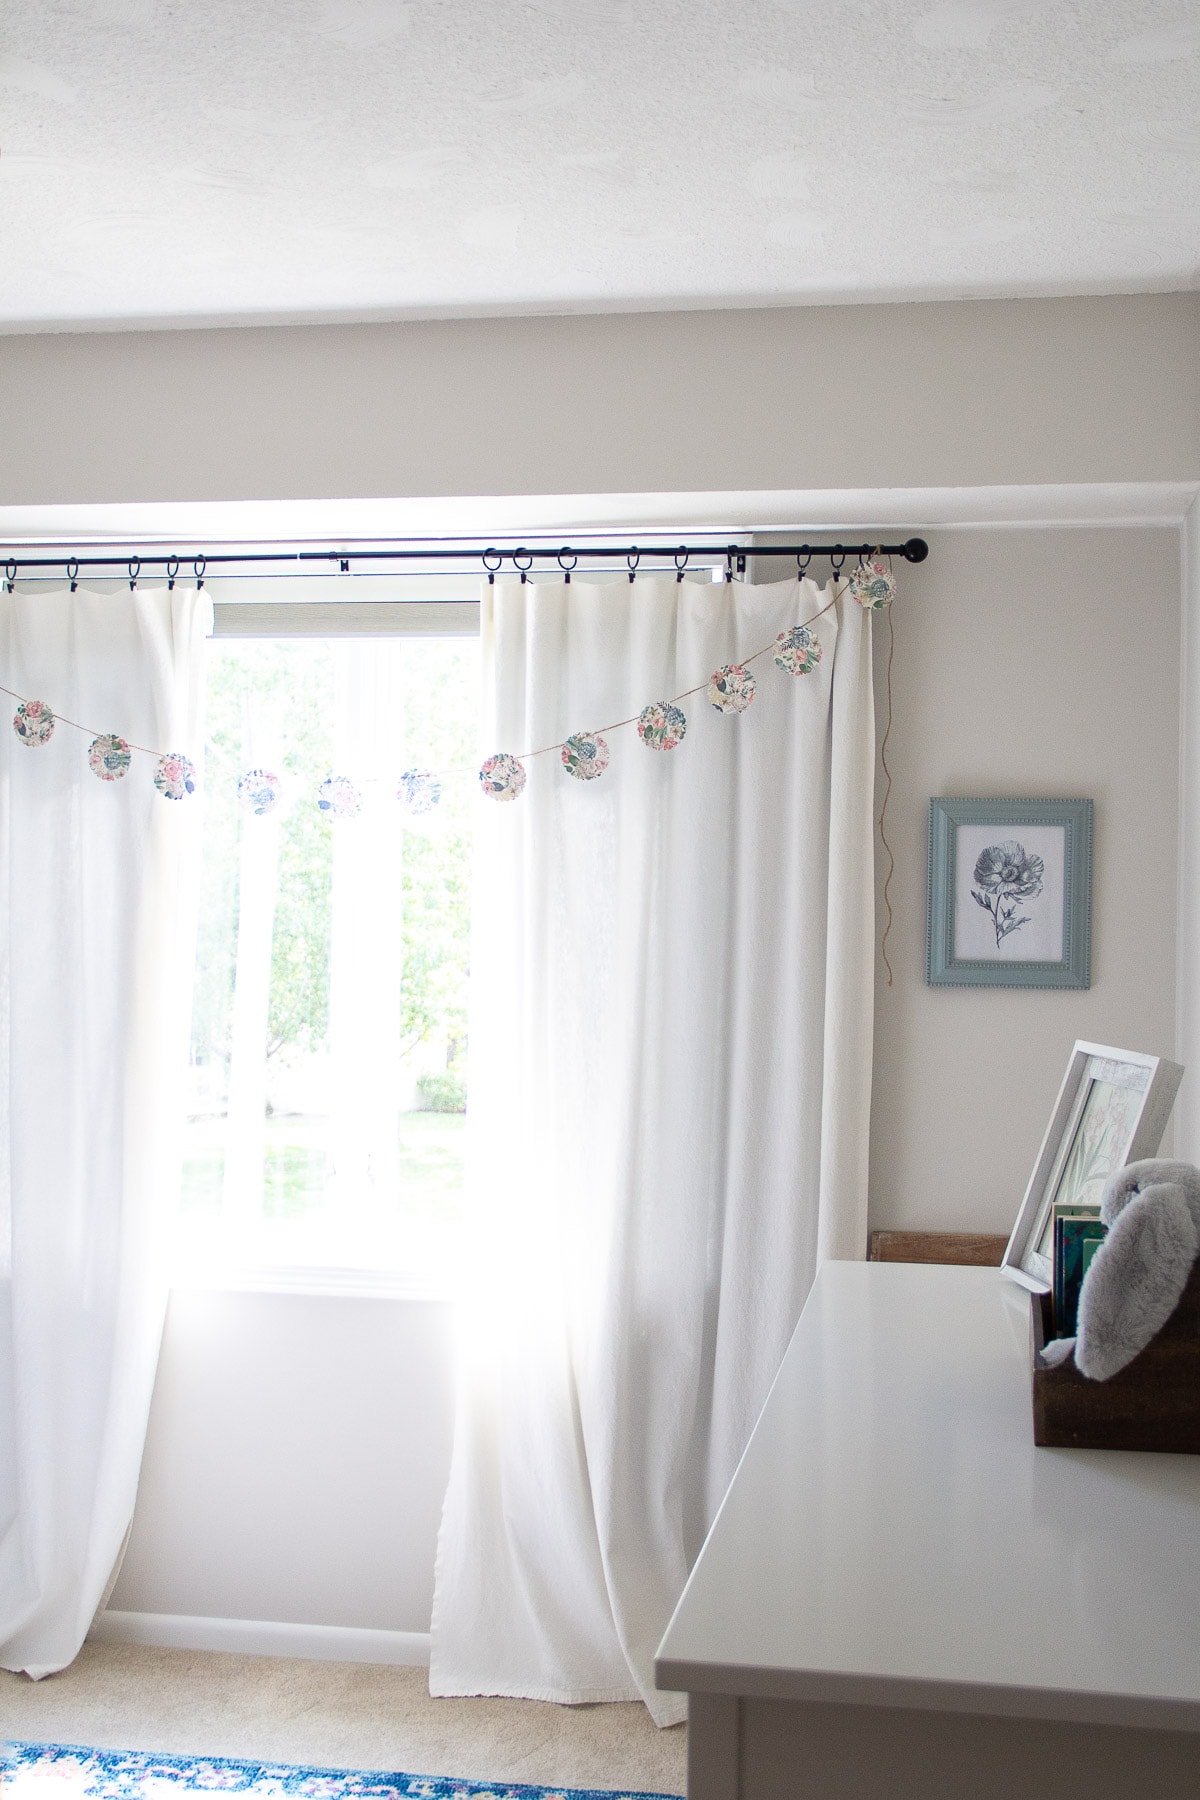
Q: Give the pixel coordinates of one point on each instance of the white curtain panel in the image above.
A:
(95, 903)
(670, 1086)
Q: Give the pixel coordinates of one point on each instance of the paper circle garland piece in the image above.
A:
(109, 757)
(175, 775)
(585, 756)
(797, 651)
(259, 792)
(662, 725)
(33, 722)
(502, 777)
(732, 688)
(419, 791)
(338, 796)
(873, 585)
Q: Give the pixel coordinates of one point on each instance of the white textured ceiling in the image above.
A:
(181, 160)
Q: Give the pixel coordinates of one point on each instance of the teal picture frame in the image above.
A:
(1027, 869)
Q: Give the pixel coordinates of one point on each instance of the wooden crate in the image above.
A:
(937, 1247)
(1152, 1404)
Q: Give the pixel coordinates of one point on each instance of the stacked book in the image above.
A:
(1078, 1235)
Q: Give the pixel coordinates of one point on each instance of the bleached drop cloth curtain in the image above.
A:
(94, 976)
(670, 1084)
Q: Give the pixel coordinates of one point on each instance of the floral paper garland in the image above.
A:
(338, 796)
(502, 776)
(585, 755)
(662, 725)
(419, 791)
(259, 792)
(175, 776)
(33, 722)
(732, 688)
(109, 757)
(873, 585)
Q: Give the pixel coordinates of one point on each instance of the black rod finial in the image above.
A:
(915, 550)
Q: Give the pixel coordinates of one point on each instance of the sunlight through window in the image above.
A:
(328, 1067)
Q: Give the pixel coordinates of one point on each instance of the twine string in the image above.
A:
(88, 730)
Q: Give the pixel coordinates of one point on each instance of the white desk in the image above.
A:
(902, 1596)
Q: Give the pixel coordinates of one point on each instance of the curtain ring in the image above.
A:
(492, 567)
(633, 558)
(135, 569)
(10, 573)
(836, 564)
(802, 567)
(680, 566)
(523, 566)
(73, 573)
(566, 567)
(172, 572)
(729, 564)
(199, 566)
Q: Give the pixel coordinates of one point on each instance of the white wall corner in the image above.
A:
(1187, 1109)
(263, 1637)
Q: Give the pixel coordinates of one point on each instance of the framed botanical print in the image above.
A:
(1112, 1109)
(1010, 893)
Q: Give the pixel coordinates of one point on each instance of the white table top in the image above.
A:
(893, 1537)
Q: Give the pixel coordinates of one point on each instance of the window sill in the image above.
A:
(364, 1284)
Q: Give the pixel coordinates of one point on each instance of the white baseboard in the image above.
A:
(263, 1637)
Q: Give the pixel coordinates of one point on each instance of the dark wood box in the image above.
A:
(1153, 1404)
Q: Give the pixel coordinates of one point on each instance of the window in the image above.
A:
(328, 1067)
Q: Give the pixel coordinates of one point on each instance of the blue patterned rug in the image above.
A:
(70, 1771)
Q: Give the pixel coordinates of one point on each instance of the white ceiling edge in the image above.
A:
(211, 526)
(1183, 283)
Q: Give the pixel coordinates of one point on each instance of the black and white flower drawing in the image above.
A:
(1005, 875)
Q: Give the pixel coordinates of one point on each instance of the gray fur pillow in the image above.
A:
(1152, 1209)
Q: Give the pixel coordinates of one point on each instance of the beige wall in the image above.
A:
(1026, 663)
(957, 394)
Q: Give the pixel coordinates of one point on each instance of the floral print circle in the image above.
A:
(338, 796)
(109, 757)
(873, 585)
(585, 756)
(419, 791)
(259, 792)
(175, 776)
(33, 722)
(662, 725)
(797, 651)
(502, 777)
(732, 688)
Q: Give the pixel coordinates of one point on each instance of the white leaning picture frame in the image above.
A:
(1112, 1109)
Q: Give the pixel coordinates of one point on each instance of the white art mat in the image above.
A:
(1019, 917)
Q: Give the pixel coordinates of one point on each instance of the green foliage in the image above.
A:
(259, 692)
(442, 1093)
(440, 714)
(272, 704)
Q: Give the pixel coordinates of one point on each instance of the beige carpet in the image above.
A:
(344, 1715)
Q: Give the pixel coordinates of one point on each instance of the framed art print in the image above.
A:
(1010, 893)
(1112, 1108)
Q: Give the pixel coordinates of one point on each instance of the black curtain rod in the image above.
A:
(913, 550)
